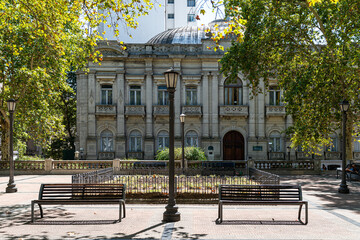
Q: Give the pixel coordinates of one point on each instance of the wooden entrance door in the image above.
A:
(233, 146)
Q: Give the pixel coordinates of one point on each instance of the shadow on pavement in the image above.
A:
(259, 222)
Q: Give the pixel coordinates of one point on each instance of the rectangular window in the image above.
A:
(135, 95)
(163, 142)
(106, 94)
(171, 16)
(191, 3)
(191, 17)
(170, 1)
(275, 97)
(135, 144)
(357, 145)
(163, 95)
(332, 146)
(233, 96)
(191, 96)
(275, 144)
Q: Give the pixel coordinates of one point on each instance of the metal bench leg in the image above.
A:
(41, 211)
(120, 207)
(123, 203)
(32, 211)
(306, 213)
(299, 213)
(220, 214)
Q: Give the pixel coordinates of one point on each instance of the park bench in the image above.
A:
(261, 195)
(80, 194)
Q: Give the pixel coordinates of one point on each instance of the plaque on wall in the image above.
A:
(257, 148)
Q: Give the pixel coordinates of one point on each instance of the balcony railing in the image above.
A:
(276, 155)
(275, 111)
(332, 155)
(303, 156)
(233, 110)
(299, 165)
(162, 110)
(135, 110)
(106, 155)
(194, 110)
(105, 110)
(135, 155)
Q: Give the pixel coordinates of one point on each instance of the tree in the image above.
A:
(39, 44)
(311, 49)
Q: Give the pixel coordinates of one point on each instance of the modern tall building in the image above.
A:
(171, 14)
(123, 104)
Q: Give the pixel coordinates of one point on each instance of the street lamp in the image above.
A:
(344, 106)
(171, 214)
(182, 120)
(288, 148)
(11, 188)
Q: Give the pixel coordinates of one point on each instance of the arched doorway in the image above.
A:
(233, 146)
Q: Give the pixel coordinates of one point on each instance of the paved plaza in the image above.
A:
(331, 216)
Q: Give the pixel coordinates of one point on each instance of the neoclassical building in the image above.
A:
(123, 103)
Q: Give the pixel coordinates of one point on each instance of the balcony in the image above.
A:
(135, 155)
(275, 111)
(106, 155)
(303, 156)
(234, 110)
(161, 110)
(135, 110)
(192, 110)
(276, 155)
(332, 155)
(108, 110)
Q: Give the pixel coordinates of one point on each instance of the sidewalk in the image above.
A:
(331, 216)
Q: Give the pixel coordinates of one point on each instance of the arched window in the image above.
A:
(107, 141)
(233, 92)
(275, 143)
(135, 141)
(191, 139)
(163, 140)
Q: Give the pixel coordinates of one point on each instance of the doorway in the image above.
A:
(233, 146)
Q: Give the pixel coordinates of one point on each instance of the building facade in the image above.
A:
(123, 104)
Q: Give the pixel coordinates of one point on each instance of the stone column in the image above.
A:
(215, 105)
(94, 98)
(120, 117)
(82, 110)
(205, 104)
(177, 103)
(149, 138)
(261, 111)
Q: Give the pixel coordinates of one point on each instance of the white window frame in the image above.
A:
(191, 95)
(191, 3)
(275, 143)
(274, 96)
(162, 140)
(107, 141)
(191, 139)
(106, 94)
(135, 95)
(135, 141)
(163, 95)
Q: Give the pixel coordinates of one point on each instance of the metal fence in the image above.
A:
(262, 177)
(98, 176)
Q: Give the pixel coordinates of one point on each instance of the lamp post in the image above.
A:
(288, 148)
(182, 120)
(171, 214)
(344, 106)
(11, 188)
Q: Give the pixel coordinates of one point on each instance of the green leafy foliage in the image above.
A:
(310, 49)
(191, 153)
(39, 44)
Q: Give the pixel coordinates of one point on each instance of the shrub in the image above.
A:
(191, 153)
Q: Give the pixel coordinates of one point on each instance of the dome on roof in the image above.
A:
(186, 35)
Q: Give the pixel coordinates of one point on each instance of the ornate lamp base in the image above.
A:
(11, 188)
(343, 189)
(171, 214)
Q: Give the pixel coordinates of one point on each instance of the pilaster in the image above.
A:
(205, 104)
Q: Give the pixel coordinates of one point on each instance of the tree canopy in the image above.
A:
(40, 42)
(311, 48)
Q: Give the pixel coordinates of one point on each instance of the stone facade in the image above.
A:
(122, 109)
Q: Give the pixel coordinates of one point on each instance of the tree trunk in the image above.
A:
(5, 141)
(349, 139)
